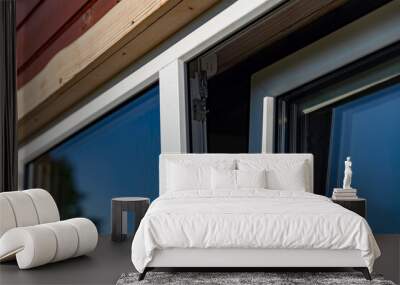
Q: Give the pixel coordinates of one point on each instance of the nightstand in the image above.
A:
(358, 206)
(119, 216)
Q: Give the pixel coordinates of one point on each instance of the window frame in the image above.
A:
(289, 120)
(291, 123)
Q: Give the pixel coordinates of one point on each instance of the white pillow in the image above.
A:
(251, 178)
(187, 177)
(227, 179)
(193, 174)
(223, 179)
(290, 179)
(281, 174)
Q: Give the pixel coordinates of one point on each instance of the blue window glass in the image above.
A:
(115, 156)
(367, 129)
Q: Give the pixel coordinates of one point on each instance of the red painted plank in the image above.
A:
(24, 9)
(79, 25)
(46, 20)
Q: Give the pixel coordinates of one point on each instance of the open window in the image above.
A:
(224, 116)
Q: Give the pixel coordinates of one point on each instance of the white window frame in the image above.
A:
(168, 68)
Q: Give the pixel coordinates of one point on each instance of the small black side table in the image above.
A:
(119, 216)
(358, 206)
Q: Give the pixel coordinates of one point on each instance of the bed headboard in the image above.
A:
(297, 157)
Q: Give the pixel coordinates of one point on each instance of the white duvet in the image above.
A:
(250, 219)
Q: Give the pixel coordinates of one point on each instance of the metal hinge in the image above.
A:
(199, 105)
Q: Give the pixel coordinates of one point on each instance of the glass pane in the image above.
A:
(115, 156)
(367, 129)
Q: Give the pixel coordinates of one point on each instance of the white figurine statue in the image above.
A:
(348, 173)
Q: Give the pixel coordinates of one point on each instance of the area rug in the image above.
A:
(269, 278)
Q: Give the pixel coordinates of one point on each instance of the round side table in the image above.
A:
(119, 215)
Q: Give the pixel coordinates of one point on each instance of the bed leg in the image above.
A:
(365, 272)
(142, 275)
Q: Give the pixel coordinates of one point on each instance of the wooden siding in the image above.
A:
(128, 31)
(47, 26)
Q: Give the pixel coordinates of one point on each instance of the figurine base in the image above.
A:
(344, 189)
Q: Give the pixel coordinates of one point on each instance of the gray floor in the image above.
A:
(389, 262)
(110, 260)
(104, 266)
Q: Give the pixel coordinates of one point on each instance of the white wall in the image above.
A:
(360, 38)
(268, 125)
(172, 108)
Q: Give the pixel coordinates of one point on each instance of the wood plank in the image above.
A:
(40, 29)
(127, 32)
(24, 9)
(81, 23)
(91, 48)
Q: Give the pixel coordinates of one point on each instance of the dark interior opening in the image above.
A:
(318, 143)
(228, 118)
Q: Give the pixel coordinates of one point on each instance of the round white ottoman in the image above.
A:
(31, 231)
(37, 245)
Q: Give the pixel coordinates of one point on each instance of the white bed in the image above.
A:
(248, 227)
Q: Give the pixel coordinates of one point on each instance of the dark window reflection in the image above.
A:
(115, 156)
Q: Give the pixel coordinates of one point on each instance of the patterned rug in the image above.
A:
(269, 278)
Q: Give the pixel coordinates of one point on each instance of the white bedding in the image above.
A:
(250, 219)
